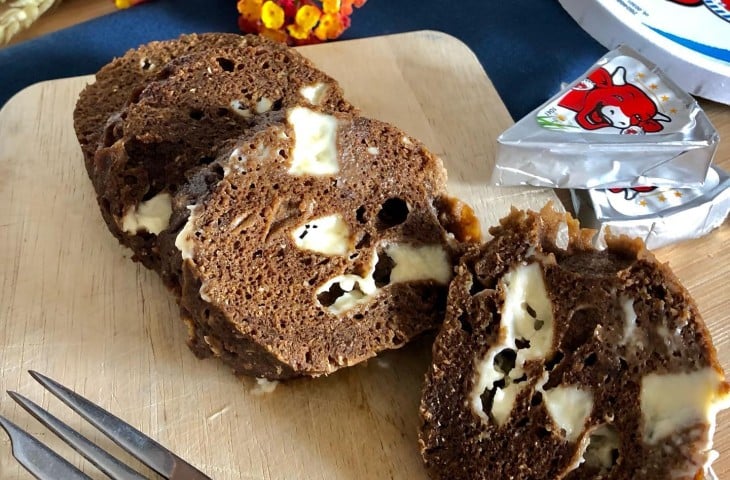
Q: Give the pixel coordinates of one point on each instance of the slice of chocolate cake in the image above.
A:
(176, 122)
(117, 82)
(558, 361)
(314, 244)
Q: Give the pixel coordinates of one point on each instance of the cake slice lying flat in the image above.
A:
(314, 244)
(557, 361)
(177, 121)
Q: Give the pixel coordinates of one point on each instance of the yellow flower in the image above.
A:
(678, 194)
(298, 32)
(653, 86)
(665, 98)
(272, 15)
(307, 17)
(643, 203)
(662, 198)
(250, 9)
(329, 27)
(331, 6)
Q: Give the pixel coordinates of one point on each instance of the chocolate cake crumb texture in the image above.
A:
(319, 246)
(558, 361)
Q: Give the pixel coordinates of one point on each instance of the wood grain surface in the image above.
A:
(73, 306)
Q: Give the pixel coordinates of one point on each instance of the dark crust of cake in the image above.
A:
(583, 285)
(262, 316)
(117, 82)
(174, 125)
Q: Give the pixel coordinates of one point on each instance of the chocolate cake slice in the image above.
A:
(117, 82)
(314, 244)
(558, 361)
(177, 121)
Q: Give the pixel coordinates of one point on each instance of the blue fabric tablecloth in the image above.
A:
(527, 47)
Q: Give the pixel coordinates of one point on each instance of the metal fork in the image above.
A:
(44, 464)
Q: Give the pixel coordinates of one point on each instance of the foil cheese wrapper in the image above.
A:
(658, 215)
(624, 123)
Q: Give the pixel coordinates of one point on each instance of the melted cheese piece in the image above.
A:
(426, 262)
(328, 235)
(627, 305)
(152, 216)
(263, 105)
(522, 286)
(313, 93)
(674, 401)
(184, 240)
(315, 143)
(352, 296)
(569, 408)
(239, 108)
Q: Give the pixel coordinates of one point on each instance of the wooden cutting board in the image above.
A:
(73, 306)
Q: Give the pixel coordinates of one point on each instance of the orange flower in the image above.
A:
(272, 15)
(250, 9)
(329, 27)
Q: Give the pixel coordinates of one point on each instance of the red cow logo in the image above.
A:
(608, 100)
(633, 192)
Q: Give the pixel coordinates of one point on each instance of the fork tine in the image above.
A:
(111, 467)
(42, 462)
(142, 447)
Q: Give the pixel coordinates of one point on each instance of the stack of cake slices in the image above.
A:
(301, 237)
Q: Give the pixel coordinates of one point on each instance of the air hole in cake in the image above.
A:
(536, 399)
(226, 64)
(283, 154)
(358, 316)
(278, 104)
(505, 361)
(383, 269)
(145, 64)
(476, 285)
(360, 214)
(522, 422)
(205, 160)
(465, 324)
(222, 112)
(554, 361)
(522, 343)
(394, 211)
(196, 114)
(543, 432)
(590, 360)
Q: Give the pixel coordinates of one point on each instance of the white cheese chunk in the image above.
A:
(328, 235)
(523, 287)
(240, 109)
(425, 262)
(184, 240)
(356, 289)
(569, 408)
(263, 105)
(627, 305)
(152, 216)
(313, 93)
(315, 143)
(671, 402)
